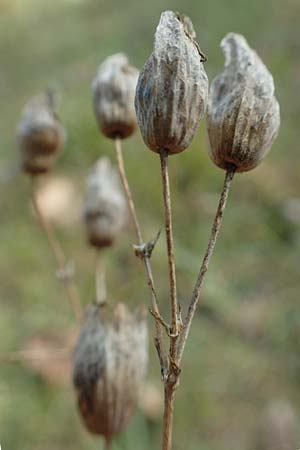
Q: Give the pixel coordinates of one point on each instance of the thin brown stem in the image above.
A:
(170, 248)
(107, 443)
(100, 280)
(205, 263)
(64, 273)
(159, 341)
(169, 398)
(127, 190)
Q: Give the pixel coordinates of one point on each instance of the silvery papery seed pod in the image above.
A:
(171, 94)
(113, 97)
(110, 365)
(105, 208)
(243, 114)
(40, 134)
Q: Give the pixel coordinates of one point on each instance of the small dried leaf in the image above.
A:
(110, 363)
(243, 114)
(105, 209)
(113, 97)
(40, 134)
(171, 94)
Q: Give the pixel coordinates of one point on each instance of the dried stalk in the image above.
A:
(170, 248)
(100, 279)
(64, 272)
(173, 376)
(207, 257)
(159, 342)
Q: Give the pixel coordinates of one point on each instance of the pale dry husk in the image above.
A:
(105, 208)
(172, 90)
(40, 134)
(110, 364)
(113, 97)
(243, 114)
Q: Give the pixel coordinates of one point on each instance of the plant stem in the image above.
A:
(169, 397)
(170, 248)
(100, 278)
(107, 443)
(159, 342)
(67, 278)
(207, 257)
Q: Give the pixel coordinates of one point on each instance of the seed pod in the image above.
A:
(172, 89)
(110, 364)
(105, 209)
(243, 114)
(113, 97)
(278, 427)
(40, 134)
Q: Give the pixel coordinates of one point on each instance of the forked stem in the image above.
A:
(205, 263)
(64, 273)
(159, 342)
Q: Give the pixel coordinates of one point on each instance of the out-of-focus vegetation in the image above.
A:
(243, 355)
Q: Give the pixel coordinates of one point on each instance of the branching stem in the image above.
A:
(64, 272)
(159, 342)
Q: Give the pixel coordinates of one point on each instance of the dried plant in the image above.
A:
(105, 208)
(110, 363)
(172, 90)
(243, 113)
(170, 99)
(40, 134)
(113, 94)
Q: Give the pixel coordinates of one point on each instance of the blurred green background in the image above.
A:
(241, 375)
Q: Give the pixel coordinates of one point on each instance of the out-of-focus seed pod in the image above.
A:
(172, 90)
(40, 134)
(105, 208)
(110, 364)
(113, 97)
(278, 427)
(243, 114)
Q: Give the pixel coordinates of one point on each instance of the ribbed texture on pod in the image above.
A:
(105, 207)
(40, 134)
(172, 90)
(113, 97)
(243, 114)
(110, 364)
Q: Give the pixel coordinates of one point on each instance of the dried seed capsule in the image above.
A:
(243, 114)
(105, 209)
(40, 134)
(171, 94)
(113, 97)
(110, 364)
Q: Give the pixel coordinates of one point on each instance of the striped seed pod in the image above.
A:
(40, 134)
(172, 90)
(110, 364)
(243, 114)
(113, 97)
(105, 208)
